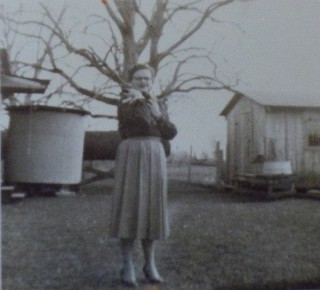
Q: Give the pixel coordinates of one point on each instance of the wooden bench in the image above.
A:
(271, 185)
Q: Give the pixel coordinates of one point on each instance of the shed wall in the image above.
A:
(284, 137)
(273, 133)
(289, 131)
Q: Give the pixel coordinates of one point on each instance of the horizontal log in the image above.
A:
(100, 145)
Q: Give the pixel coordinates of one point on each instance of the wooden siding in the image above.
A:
(284, 137)
(288, 131)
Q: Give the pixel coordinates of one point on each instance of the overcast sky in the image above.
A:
(276, 50)
(277, 53)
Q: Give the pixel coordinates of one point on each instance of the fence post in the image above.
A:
(219, 165)
(190, 165)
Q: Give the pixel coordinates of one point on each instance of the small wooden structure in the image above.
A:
(273, 127)
(11, 84)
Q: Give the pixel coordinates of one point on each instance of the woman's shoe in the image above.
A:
(128, 282)
(152, 278)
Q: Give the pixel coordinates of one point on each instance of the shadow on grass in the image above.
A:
(275, 286)
(178, 188)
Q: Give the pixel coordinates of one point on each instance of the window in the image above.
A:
(312, 127)
(314, 140)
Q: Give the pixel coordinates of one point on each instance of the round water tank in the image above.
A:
(45, 145)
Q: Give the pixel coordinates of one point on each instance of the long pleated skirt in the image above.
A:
(139, 203)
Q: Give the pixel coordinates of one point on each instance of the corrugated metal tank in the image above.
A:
(45, 145)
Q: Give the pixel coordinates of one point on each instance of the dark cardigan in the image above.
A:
(135, 120)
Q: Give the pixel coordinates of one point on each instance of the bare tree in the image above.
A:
(131, 32)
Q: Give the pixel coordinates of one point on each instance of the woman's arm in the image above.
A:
(167, 129)
(143, 118)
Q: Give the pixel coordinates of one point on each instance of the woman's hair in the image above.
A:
(137, 67)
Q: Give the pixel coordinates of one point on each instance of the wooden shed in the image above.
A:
(273, 127)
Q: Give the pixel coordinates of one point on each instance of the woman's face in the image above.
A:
(142, 80)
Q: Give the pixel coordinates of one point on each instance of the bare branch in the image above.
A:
(138, 10)
(180, 8)
(197, 26)
(114, 17)
(57, 50)
(94, 60)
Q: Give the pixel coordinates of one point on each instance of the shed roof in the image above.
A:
(274, 99)
(14, 84)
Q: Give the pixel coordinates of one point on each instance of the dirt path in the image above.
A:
(218, 241)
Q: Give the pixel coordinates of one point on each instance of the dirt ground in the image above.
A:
(218, 241)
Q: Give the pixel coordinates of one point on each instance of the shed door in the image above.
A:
(243, 142)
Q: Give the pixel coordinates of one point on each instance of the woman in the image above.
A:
(139, 205)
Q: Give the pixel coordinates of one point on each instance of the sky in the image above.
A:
(277, 52)
(271, 45)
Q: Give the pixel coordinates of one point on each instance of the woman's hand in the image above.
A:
(154, 108)
(131, 96)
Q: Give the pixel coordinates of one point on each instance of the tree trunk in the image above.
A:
(127, 11)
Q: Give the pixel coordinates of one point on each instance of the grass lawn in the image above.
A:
(202, 174)
(218, 241)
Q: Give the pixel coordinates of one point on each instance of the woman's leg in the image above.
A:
(150, 268)
(128, 275)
